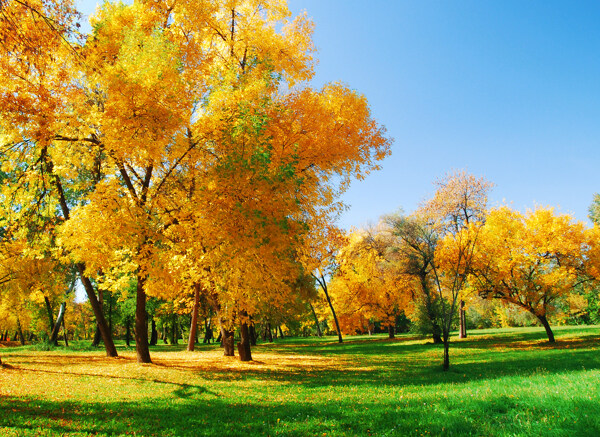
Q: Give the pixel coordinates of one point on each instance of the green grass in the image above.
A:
(501, 382)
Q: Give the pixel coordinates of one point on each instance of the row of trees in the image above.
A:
(454, 249)
(178, 148)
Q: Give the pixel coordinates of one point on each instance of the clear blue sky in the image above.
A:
(508, 90)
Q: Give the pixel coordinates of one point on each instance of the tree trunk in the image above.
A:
(437, 334)
(109, 345)
(20, 332)
(51, 323)
(110, 321)
(269, 333)
(128, 332)
(335, 319)
(65, 332)
(446, 354)
(98, 335)
(253, 335)
(546, 326)
(227, 342)
(208, 332)
(280, 331)
(154, 334)
(141, 323)
(462, 320)
(243, 346)
(391, 331)
(174, 333)
(317, 325)
(57, 325)
(194, 324)
(165, 334)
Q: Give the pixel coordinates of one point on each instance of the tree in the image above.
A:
(529, 260)
(415, 253)
(40, 63)
(438, 244)
(367, 283)
(320, 259)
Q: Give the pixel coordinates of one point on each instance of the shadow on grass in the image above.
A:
(379, 362)
(190, 416)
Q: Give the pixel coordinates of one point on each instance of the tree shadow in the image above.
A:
(193, 416)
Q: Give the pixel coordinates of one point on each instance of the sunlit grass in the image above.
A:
(501, 382)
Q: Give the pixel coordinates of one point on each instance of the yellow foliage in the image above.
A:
(529, 260)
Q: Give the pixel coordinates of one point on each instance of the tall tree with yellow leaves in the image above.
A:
(529, 260)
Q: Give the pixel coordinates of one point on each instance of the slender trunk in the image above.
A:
(65, 332)
(280, 331)
(243, 346)
(110, 321)
(174, 333)
(109, 345)
(154, 334)
(391, 331)
(141, 323)
(98, 335)
(317, 325)
(57, 325)
(446, 354)
(165, 334)
(20, 332)
(50, 321)
(194, 325)
(269, 333)
(335, 319)
(462, 320)
(227, 342)
(546, 326)
(208, 333)
(128, 332)
(437, 333)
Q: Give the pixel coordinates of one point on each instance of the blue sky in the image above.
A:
(508, 90)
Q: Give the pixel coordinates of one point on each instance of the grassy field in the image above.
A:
(501, 382)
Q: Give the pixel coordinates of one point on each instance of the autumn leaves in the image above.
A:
(454, 248)
(181, 148)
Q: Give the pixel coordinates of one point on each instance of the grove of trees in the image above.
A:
(176, 165)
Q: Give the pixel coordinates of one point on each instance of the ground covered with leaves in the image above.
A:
(501, 382)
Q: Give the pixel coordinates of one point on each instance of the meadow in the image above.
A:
(501, 382)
